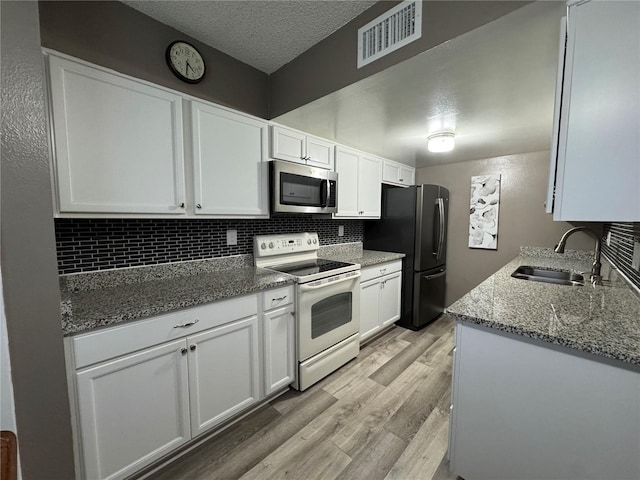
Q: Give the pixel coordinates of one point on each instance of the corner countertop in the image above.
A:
(603, 320)
(365, 258)
(102, 299)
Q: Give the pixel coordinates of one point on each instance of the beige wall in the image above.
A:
(522, 220)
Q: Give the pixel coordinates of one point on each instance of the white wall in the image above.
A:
(7, 408)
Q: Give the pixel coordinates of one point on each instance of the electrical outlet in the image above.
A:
(232, 237)
(341, 230)
(635, 263)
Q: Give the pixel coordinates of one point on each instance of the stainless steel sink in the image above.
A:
(538, 274)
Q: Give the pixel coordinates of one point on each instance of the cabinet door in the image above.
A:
(407, 175)
(279, 349)
(118, 143)
(230, 174)
(320, 153)
(133, 410)
(369, 308)
(287, 144)
(598, 176)
(347, 169)
(390, 172)
(390, 294)
(369, 186)
(223, 372)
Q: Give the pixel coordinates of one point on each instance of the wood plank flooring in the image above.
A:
(383, 415)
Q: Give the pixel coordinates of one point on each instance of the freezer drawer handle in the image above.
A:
(430, 277)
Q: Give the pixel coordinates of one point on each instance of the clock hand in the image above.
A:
(190, 67)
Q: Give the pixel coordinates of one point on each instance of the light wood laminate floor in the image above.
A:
(383, 415)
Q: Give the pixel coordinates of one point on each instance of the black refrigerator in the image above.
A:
(414, 222)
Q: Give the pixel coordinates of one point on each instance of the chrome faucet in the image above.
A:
(595, 278)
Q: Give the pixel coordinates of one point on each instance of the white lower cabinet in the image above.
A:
(223, 372)
(142, 389)
(380, 297)
(524, 410)
(279, 348)
(133, 410)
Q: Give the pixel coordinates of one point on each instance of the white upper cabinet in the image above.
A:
(597, 176)
(118, 143)
(229, 168)
(359, 184)
(398, 174)
(298, 147)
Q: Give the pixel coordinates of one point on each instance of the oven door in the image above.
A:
(328, 312)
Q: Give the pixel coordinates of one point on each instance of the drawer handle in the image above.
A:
(278, 299)
(185, 325)
(382, 270)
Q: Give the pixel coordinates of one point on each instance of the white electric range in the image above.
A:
(327, 302)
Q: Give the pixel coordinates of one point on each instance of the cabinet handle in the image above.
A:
(183, 351)
(382, 270)
(293, 314)
(401, 180)
(185, 325)
(192, 348)
(198, 205)
(181, 205)
(303, 158)
(278, 299)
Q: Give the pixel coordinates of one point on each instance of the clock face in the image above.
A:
(185, 62)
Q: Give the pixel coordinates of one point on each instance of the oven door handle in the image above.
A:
(306, 288)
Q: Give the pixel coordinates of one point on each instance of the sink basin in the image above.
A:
(537, 274)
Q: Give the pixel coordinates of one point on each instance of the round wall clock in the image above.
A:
(185, 62)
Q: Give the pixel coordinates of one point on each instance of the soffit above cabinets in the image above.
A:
(263, 34)
(494, 86)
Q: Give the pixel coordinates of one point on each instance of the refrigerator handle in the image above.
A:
(440, 203)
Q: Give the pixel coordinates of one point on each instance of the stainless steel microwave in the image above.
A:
(302, 189)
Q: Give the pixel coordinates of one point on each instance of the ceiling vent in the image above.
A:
(390, 31)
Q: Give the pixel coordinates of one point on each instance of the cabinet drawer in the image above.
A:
(375, 271)
(278, 297)
(109, 343)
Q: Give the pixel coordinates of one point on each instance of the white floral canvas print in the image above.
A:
(483, 215)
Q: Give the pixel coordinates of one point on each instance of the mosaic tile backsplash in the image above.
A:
(621, 249)
(85, 245)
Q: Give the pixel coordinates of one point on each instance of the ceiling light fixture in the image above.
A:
(441, 142)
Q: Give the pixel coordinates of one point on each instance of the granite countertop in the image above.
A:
(99, 304)
(365, 258)
(102, 299)
(603, 320)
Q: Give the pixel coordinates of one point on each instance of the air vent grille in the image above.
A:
(390, 31)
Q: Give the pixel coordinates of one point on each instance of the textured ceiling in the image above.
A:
(264, 34)
(494, 86)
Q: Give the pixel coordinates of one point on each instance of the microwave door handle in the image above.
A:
(324, 193)
(326, 203)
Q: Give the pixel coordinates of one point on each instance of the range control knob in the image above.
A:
(309, 241)
(263, 246)
(315, 241)
(270, 244)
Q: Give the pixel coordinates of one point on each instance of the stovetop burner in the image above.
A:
(312, 267)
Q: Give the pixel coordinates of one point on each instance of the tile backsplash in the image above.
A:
(85, 245)
(621, 249)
